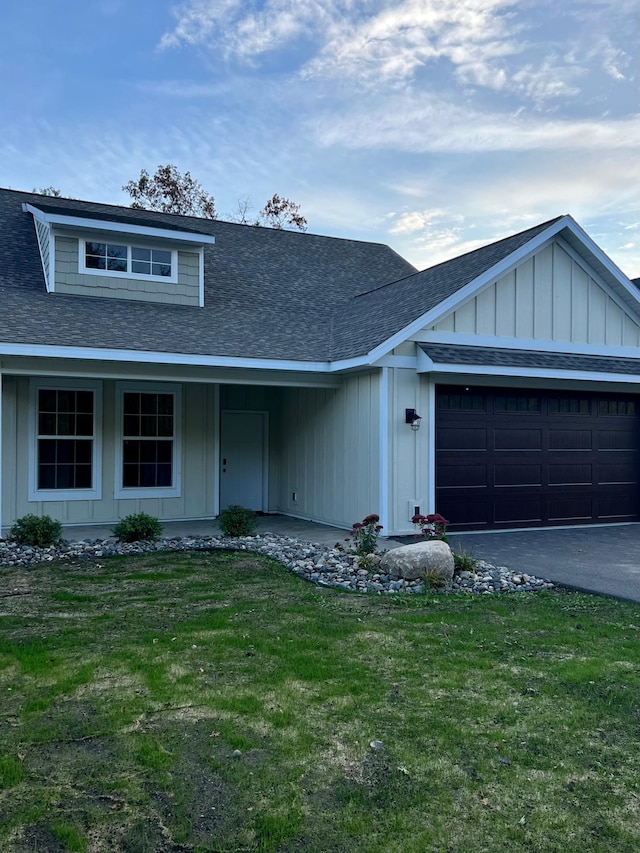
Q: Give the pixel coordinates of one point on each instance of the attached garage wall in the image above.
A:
(527, 457)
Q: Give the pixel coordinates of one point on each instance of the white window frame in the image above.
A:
(83, 269)
(173, 491)
(95, 492)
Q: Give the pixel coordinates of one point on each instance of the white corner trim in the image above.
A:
(201, 277)
(383, 461)
(85, 223)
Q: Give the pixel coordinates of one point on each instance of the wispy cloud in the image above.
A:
(493, 45)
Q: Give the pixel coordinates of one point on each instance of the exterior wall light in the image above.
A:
(413, 418)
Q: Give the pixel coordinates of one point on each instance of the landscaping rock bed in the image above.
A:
(317, 563)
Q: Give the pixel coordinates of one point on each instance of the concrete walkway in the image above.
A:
(282, 525)
(604, 559)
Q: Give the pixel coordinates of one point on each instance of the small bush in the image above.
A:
(463, 561)
(41, 531)
(236, 520)
(139, 527)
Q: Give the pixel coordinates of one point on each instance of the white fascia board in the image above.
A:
(532, 373)
(563, 347)
(91, 353)
(602, 258)
(452, 302)
(611, 289)
(85, 224)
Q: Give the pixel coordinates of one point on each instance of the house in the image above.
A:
(175, 365)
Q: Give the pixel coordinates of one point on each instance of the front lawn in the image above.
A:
(215, 702)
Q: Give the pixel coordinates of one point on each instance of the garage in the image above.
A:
(526, 458)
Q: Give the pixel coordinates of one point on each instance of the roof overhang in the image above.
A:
(84, 223)
(489, 361)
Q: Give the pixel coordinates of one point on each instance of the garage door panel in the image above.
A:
(569, 508)
(517, 439)
(562, 474)
(523, 510)
(462, 476)
(517, 474)
(621, 506)
(617, 473)
(462, 438)
(520, 460)
(617, 439)
(570, 439)
(468, 511)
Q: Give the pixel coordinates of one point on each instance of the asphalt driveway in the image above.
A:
(603, 559)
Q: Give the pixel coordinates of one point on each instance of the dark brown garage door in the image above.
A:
(514, 458)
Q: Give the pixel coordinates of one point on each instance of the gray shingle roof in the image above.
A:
(268, 293)
(372, 317)
(470, 355)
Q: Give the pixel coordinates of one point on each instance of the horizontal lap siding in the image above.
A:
(70, 280)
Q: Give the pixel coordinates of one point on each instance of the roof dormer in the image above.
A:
(89, 255)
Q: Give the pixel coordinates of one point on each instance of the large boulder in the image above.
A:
(413, 562)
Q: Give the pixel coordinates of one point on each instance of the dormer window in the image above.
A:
(128, 261)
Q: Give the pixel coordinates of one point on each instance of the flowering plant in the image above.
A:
(364, 535)
(432, 526)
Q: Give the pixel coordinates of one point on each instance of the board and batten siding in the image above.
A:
(328, 443)
(547, 297)
(408, 456)
(199, 445)
(68, 279)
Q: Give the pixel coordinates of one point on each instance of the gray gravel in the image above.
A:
(317, 563)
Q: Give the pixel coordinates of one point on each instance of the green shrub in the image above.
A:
(463, 561)
(236, 520)
(41, 531)
(139, 527)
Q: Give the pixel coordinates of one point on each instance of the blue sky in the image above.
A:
(432, 125)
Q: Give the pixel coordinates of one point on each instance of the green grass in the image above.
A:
(214, 702)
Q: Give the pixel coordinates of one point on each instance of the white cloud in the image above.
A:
(418, 123)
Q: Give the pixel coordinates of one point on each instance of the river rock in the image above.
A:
(413, 562)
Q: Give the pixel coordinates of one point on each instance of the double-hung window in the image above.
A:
(148, 452)
(128, 261)
(65, 437)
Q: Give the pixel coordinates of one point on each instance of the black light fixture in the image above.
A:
(412, 418)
